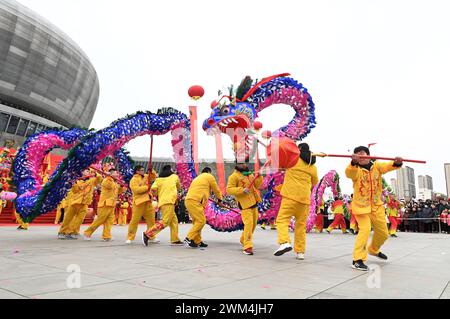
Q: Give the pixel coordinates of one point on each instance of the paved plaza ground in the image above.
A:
(34, 264)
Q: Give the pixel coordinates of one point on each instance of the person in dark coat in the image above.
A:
(427, 213)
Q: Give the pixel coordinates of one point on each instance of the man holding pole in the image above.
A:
(367, 205)
(244, 187)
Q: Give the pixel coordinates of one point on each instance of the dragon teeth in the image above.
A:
(234, 121)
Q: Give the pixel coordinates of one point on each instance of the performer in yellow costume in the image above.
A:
(61, 206)
(106, 206)
(123, 212)
(248, 198)
(338, 210)
(79, 198)
(392, 209)
(196, 200)
(142, 202)
(296, 192)
(166, 186)
(19, 220)
(318, 224)
(367, 205)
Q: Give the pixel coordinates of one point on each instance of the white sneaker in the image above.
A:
(284, 248)
(86, 238)
(107, 239)
(300, 256)
(128, 242)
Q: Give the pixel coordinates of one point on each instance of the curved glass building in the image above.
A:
(46, 80)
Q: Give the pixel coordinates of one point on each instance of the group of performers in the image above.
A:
(367, 207)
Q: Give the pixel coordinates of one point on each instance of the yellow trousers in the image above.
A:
(145, 210)
(169, 218)
(122, 218)
(78, 221)
(250, 219)
(197, 213)
(289, 208)
(72, 216)
(377, 220)
(58, 216)
(105, 217)
(20, 221)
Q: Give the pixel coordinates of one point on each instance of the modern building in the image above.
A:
(46, 80)
(394, 185)
(425, 182)
(406, 183)
(425, 194)
(447, 178)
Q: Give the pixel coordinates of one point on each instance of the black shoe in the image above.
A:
(359, 265)
(144, 239)
(202, 245)
(394, 235)
(352, 231)
(356, 233)
(190, 243)
(381, 256)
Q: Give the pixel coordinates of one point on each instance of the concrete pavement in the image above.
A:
(34, 264)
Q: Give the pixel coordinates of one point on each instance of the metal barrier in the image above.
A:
(434, 218)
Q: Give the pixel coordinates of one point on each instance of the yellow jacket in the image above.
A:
(139, 188)
(201, 187)
(83, 190)
(236, 184)
(299, 181)
(64, 203)
(392, 212)
(167, 189)
(110, 192)
(338, 207)
(367, 185)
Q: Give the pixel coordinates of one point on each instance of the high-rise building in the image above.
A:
(447, 178)
(425, 182)
(394, 185)
(406, 183)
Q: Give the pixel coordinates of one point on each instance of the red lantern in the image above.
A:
(257, 125)
(266, 134)
(283, 153)
(196, 92)
(214, 104)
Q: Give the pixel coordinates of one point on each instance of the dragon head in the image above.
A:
(235, 116)
(236, 120)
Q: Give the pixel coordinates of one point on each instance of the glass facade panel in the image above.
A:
(23, 124)
(31, 128)
(4, 118)
(13, 123)
(40, 128)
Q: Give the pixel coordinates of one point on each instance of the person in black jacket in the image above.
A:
(427, 213)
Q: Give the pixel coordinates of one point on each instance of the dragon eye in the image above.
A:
(225, 110)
